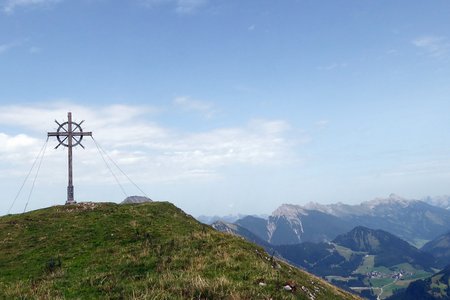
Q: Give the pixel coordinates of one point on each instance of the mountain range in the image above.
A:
(415, 221)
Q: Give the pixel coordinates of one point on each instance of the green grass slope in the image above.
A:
(145, 251)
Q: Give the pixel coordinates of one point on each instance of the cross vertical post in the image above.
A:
(70, 199)
(69, 134)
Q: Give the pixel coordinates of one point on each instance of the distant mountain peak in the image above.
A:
(289, 211)
(362, 238)
(319, 207)
(225, 226)
(395, 196)
(440, 201)
(393, 199)
(341, 209)
(226, 218)
(362, 229)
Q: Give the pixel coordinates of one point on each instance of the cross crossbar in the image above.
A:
(88, 133)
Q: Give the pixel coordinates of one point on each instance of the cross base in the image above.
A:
(70, 199)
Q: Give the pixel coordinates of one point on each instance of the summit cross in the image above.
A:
(69, 134)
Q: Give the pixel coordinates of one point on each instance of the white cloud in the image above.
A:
(322, 123)
(8, 46)
(189, 104)
(34, 50)
(150, 151)
(436, 46)
(189, 6)
(423, 169)
(5, 47)
(14, 143)
(38, 118)
(180, 6)
(9, 6)
(154, 3)
(333, 66)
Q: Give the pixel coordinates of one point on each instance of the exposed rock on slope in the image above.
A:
(240, 231)
(136, 200)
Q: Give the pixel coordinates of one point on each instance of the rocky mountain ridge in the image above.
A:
(413, 220)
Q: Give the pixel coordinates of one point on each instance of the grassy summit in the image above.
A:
(146, 251)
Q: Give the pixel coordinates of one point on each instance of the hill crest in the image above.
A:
(106, 250)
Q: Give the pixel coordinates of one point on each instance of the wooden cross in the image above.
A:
(69, 134)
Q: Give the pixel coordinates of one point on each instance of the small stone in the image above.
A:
(288, 288)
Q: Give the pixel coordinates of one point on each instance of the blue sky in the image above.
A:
(228, 106)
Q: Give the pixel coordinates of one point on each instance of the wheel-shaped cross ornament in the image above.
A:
(76, 134)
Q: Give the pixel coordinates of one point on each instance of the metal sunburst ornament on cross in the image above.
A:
(69, 134)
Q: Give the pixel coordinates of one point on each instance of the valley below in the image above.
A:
(375, 249)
